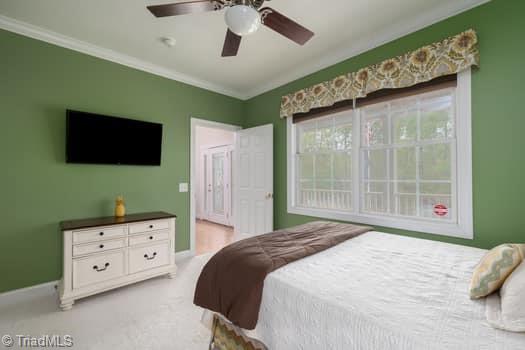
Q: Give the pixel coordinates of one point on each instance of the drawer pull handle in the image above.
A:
(101, 246)
(150, 237)
(102, 269)
(101, 233)
(150, 226)
(150, 257)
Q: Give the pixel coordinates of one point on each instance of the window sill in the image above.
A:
(433, 227)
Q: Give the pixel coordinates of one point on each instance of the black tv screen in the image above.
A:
(100, 139)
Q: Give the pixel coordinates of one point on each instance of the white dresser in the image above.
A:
(106, 253)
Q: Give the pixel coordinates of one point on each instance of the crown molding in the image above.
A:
(367, 43)
(39, 33)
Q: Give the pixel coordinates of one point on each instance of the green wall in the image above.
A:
(39, 81)
(38, 189)
(498, 120)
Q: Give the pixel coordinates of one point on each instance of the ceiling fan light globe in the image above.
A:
(242, 19)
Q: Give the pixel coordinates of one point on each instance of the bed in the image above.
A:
(378, 291)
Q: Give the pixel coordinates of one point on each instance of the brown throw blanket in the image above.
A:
(232, 281)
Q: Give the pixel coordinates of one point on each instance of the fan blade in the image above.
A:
(231, 44)
(181, 8)
(285, 26)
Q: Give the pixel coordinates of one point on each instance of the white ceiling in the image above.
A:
(125, 32)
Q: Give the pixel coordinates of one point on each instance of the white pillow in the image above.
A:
(507, 311)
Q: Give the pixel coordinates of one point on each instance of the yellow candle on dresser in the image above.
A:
(120, 209)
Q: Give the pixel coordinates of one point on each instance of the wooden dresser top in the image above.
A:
(112, 220)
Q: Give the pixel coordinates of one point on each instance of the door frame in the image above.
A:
(194, 122)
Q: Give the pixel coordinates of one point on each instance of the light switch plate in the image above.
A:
(183, 187)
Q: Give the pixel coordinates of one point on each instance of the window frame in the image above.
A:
(463, 228)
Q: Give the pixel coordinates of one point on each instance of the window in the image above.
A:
(324, 163)
(403, 163)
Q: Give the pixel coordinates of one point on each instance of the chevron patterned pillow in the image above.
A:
(494, 268)
(226, 336)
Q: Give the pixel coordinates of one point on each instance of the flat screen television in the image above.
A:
(101, 139)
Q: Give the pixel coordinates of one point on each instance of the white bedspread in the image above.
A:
(379, 291)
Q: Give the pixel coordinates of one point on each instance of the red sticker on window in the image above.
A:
(440, 210)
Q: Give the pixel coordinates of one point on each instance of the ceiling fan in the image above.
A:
(243, 17)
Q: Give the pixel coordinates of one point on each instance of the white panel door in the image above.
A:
(254, 181)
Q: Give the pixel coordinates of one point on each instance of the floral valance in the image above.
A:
(449, 56)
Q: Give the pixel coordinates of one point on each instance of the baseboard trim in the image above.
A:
(183, 254)
(52, 284)
(9, 293)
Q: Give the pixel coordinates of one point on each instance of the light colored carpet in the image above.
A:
(155, 314)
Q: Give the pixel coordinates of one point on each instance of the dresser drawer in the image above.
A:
(99, 246)
(149, 226)
(149, 237)
(98, 268)
(98, 234)
(148, 257)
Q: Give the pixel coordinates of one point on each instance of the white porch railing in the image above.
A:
(325, 199)
(404, 204)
